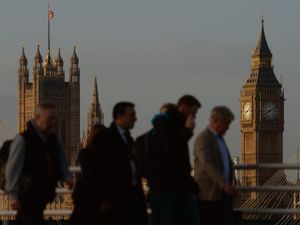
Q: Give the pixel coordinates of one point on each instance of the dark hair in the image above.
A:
(97, 129)
(120, 109)
(188, 100)
(167, 107)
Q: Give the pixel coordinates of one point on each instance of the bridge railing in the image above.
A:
(245, 211)
(268, 188)
(54, 210)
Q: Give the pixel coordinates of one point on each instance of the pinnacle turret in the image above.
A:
(59, 61)
(95, 115)
(38, 57)
(23, 60)
(48, 60)
(74, 58)
(95, 93)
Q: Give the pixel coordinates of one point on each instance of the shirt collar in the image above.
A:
(40, 134)
(213, 131)
(120, 129)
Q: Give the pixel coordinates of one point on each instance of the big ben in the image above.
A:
(262, 115)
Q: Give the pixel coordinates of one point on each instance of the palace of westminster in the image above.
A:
(261, 106)
(49, 84)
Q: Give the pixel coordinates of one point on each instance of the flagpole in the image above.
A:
(48, 26)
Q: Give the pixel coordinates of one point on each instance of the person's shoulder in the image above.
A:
(112, 129)
(19, 138)
(143, 138)
(204, 134)
(113, 134)
(144, 135)
(84, 153)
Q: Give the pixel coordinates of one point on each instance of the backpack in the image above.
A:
(4, 153)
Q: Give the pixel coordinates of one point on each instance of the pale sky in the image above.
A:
(153, 51)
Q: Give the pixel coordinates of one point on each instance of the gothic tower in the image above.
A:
(74, 125)
(95, 115)
(48, 84)
(262, 115)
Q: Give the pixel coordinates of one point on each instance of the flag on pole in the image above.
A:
(50, 14)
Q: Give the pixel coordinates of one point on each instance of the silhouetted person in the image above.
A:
(89, 205)
(213, 170)
(163, 159)
(35, 165)
(118, 186)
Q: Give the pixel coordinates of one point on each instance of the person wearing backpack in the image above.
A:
(35, 164)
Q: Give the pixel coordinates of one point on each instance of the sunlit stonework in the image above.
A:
(262, 115)
(49, 84)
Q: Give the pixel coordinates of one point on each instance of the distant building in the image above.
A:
(262, 115)
(95, 115)
(48, 84)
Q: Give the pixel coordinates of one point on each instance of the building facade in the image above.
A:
(49, 85)
(262, 115)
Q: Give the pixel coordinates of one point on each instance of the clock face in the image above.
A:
(247, 111)
(270, 111)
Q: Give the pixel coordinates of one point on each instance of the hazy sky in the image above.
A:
(153, 51)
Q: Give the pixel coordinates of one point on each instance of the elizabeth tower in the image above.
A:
(262, 115)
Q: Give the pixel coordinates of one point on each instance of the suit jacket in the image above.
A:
(128, 198)
(209, 166)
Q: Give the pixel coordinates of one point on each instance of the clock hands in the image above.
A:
(247, 109)
(270, 111)
(267, 112)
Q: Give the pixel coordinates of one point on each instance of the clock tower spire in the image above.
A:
(262, 114)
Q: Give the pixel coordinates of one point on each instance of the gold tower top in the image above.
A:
(262, 56)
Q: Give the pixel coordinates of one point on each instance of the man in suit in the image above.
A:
(124, 193)
(213, 170)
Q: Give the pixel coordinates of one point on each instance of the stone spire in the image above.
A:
(74, 58)
(262, 49)
(48, 65)
(23, 69)
(23, 59)
(59, 61)
(261, 66)
(59, 66)
(38, 57)
(95, 115)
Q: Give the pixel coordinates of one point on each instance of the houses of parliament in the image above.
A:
(49, 84)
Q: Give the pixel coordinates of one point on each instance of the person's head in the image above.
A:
(124, 115)
(188, 105)
(167, 107)
(97, 129)
(220, 119)
(46, 117)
